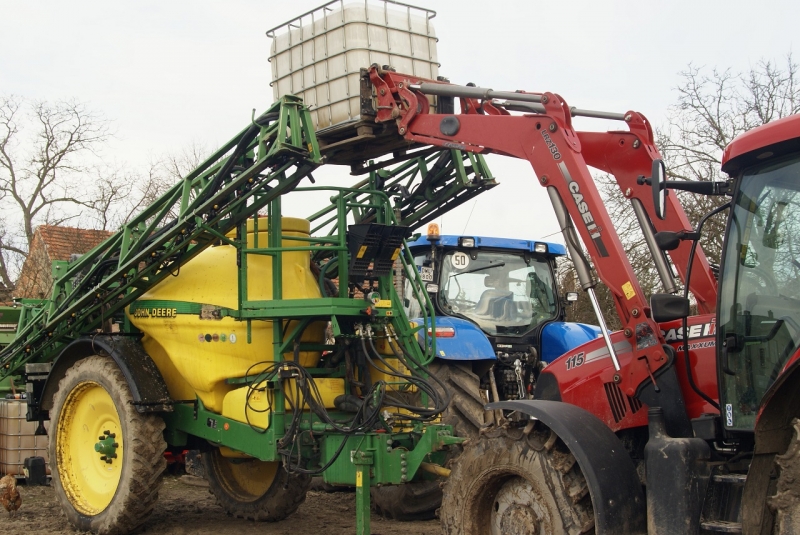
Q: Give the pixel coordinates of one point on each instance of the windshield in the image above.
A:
(760, 292)
(502, 292)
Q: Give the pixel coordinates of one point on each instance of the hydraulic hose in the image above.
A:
(685, 321)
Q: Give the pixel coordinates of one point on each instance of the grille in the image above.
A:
(635, 404)
(616, 400)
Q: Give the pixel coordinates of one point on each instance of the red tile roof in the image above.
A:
(61, 242)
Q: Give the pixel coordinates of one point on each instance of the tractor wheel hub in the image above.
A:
(107, 447)
(518, 519)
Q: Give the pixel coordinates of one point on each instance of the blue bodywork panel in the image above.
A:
(559, 337)
(553, 249)
(469, 342)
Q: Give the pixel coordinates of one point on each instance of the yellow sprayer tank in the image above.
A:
(195, 350)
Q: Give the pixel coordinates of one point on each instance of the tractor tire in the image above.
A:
(253, 489)
(786, 501)
(107, 459)
(507, 482)
(419, 499)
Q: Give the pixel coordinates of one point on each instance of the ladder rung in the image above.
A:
(722, 526)
(733, 479)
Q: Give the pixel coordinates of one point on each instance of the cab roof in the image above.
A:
(775, 138)
(448, 240)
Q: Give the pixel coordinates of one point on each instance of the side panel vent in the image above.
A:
(616, 400)
(635, 404)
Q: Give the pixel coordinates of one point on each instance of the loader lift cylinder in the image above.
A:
(663, 269)
(581, 266)
(526, 102)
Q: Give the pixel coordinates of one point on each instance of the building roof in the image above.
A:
(61, 242)
(51, 243)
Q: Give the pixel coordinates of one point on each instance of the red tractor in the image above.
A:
(675, 423)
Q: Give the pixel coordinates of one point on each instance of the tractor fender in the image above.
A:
(779, 406)
(468, 342)
(559, 337)
(148, 388)
(616, 492)
(773, 435)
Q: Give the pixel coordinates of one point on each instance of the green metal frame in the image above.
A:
(276, 152)
(250, 173)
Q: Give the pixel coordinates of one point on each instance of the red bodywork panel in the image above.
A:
(775, 403)
(760, 138)
(791, 361)
(580, 374)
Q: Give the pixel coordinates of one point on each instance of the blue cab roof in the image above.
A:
(447, 240)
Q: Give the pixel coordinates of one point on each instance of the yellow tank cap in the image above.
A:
(288, 224)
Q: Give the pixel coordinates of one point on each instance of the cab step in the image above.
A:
(721, 526)
(731, 479)
(722, 510)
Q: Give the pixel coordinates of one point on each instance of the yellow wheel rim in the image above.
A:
(247, 480)
(89, 434)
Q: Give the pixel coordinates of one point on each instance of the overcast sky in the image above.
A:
(169, 73)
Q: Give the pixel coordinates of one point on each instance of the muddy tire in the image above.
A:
(508, 482)
(107, 459)
(420, 499)
(786, 502)
(253, 489)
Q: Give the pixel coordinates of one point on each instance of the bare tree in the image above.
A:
(161, 175)
(11, 257)
(118, 194)
(177, 165)
(713, 107)
(46, 152)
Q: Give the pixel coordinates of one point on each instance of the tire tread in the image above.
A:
(144, 462)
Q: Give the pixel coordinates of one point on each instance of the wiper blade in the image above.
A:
(501, 264)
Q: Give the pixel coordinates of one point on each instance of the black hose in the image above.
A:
(424, 413)
(405, 354)
(685, 321)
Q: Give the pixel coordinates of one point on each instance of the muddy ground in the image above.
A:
(185, 507)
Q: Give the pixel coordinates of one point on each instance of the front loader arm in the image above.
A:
(554, 150)
(626, 156)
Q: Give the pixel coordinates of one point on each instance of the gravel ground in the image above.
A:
(186, 507)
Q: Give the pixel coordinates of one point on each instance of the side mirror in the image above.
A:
(668, 307)
(657, 178)
(668, 240)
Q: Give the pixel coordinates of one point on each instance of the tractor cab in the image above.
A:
(504, 286)
(497, 305)
(759, 301)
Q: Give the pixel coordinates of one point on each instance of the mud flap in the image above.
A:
(148, 388)
(668, 396)
(617, 497)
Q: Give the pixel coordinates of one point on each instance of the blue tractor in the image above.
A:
(499, 322)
